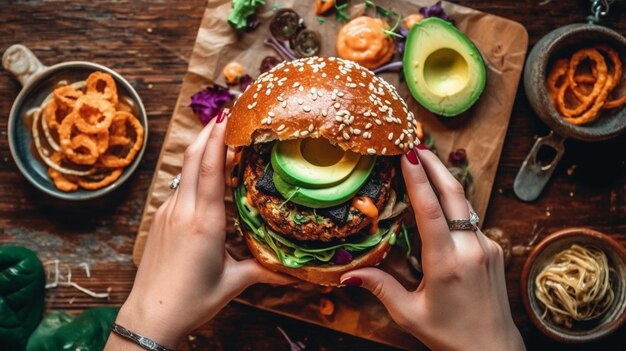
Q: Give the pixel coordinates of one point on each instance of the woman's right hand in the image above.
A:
(461, 303)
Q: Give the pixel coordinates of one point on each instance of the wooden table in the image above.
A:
(149, 43)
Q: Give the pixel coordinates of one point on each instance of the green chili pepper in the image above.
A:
(22, 285)
(61, 331)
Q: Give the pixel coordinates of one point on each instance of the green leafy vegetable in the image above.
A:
(341, 13)
(22, 285)
(242, 9)
(61, 331)
(320, 20)
(299, 218)
(293, 255)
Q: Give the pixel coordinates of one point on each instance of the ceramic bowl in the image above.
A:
(560, 43)
(38, 81)
(540, 256)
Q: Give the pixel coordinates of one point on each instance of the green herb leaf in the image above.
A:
(242, 9)
(320, 20)
(341, 13)
(299, 218)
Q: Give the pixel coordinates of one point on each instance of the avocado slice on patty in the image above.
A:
(444, 71)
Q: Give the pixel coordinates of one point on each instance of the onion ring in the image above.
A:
(60, 182)
(66, 96)
(103, 84)
(594, 112)
(113, 161)
(109, 179)
(49, 160)
(586, 101)
(46, 130)
(554, 81)
(95, 114)
(85, 142)
(617, 75)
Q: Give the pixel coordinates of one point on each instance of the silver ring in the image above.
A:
(465, 224)
(175, 182)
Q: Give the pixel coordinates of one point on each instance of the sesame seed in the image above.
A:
(304, 133)
(402, 137)
(271, 114)
(367, 113)
(301, 88)
(346, 136)
(411, 145)
(296, 133)
(281, 127)
(295, 85)
(301, 69)
(371, 151)
(338, 118)
(324, 75)
(368, 126)
(356, 131)
(300, 101)
(283, 104)
(306, 108)
(337, 105)
(280, 98)
(390, 136)
(378, 122)
(341, 126)
(255, 95)
(268, 91)
(320, 93)
(340, 94)
(251, 106)
(337, 76)
(384, 151)
(311, 127)
(397, 142)
(352, 85)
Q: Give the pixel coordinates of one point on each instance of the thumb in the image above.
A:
(385, 287)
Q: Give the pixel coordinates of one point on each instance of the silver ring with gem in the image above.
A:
(465, 224)
(175, 182)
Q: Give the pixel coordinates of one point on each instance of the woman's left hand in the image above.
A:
(186, 276)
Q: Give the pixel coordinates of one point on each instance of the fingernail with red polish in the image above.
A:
(352, 281)
(411, 155)
(422, 147)
(221, 116)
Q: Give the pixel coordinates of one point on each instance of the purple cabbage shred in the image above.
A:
(435, 10)
(342, 256)
(208, 102)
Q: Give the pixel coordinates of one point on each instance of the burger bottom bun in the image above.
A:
(323, 275)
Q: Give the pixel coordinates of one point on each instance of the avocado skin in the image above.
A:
(419, 46)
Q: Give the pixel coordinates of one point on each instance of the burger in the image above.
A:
(316, 181)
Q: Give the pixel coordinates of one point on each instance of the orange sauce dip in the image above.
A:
(363, 41)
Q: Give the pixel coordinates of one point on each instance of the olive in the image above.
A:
(307, 43)
(286, 24)
(268, 63)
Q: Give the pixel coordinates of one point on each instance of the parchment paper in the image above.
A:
(480, 131)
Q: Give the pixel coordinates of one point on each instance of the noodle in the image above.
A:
(575, 285)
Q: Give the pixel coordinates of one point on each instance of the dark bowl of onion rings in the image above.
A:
(85, 148)
(575, 81)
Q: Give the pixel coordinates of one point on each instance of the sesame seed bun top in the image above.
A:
(325, 97)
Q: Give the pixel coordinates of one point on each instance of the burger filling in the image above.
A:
(313, 203)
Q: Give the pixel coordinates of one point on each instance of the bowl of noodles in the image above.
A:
(574, 285)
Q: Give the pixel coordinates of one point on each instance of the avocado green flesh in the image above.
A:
(330, 196)
(444, 71)
(294, 255)
(312, 163)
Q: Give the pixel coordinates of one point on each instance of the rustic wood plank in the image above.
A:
(149, 43)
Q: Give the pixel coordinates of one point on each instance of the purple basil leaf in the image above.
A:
(208, 102)
(435, 10)
(244, 82)
(342, 256)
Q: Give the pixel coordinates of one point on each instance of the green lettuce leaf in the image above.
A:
(242, 9)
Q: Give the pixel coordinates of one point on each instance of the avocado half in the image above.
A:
(445, 72)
